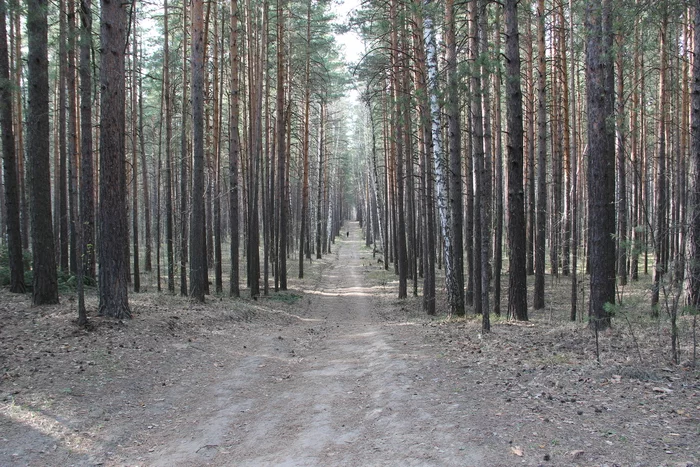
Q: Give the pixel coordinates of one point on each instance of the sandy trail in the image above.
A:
(338, 388)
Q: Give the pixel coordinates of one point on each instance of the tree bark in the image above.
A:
(455, 161)
(538, 302)
(695, 157)
(234, 153)
(601, 175)
(113, 229)
(517, 278)
(134, 154)
(441, 181)
(45, 282)
(14, 235)
(281, 153)
(184, 162)
(198, 270)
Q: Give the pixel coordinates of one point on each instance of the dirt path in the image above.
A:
(336, 388)
(336, 372)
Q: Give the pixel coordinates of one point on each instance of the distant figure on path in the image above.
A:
(347, 234)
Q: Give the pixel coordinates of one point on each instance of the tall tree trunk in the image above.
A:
(574, 175)
(530, 167)
(45, 282)
(695, 157)
(19, 130)
(477, 128)
(621, 156)
(319, 205)
(498, 178)
(73, 144)
(305, 145)
(427, 203)
(281, 154)
(61, 179)
(184, 162)
(517, 278)
(113, 226)
(157, 190)
(401, 260)
(567, 130)
(134, 154)
(454, 292)
(234, 153)
(538, 302)
(167, 99)
(601, 174)
(661, 238)
(198, 270)
(148, 266)
(218, 102)
(486, 193)
(14, 235)
(455, 161)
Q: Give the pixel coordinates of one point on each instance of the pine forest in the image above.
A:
(512, 183)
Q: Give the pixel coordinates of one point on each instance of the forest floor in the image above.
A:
(337, 371)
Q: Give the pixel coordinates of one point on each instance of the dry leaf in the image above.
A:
(517, 450)
(577, 453)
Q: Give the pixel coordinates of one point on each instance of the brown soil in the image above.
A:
(338, 372)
